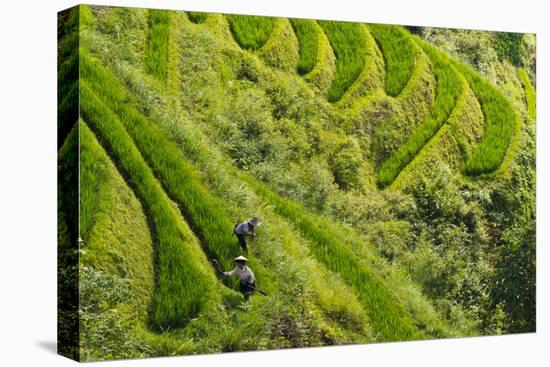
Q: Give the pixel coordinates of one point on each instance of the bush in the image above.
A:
(509, 47)
(346, 166)
(106, 333)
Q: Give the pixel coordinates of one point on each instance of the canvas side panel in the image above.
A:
(67, 183)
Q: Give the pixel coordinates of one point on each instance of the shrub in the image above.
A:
(106, 333)
(250, 32)
(400, 55)
(346, 166)
(306, 31)
(349, 46)
(509, 47)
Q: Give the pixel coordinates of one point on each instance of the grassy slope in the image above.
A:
(322, 74)
(67, 250)
(400, 55)
(449, 87)
(308, 38)
(281, 50)
(502, 124)
(67, 73)
(339, 306)
(349, 45)
(156, 57)
(175, 303)
(114, 229)
(250, 32)
(197, 17)
(530, 95)
(386, 336)
(389, 332)
(313, 244)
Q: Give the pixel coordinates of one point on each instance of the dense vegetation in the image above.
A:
(227, 133)
(348, 43)
(508, 46)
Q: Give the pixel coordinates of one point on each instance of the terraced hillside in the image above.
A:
(386, 173)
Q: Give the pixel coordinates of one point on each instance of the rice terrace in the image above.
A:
(236, 183)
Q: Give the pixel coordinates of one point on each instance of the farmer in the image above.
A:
(244, 229)
(246, 276)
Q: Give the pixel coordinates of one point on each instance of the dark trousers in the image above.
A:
(246, 289)
(242, 240)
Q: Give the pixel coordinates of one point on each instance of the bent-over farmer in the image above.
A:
(246, 276)
(247, 228)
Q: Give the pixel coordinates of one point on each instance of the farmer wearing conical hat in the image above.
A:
(246, 276)
(244, 229)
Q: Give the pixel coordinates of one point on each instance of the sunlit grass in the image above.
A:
(156, 54)
(501, 120)
(349, 45)
(250, 32)
(308, 39)
(182, 285)
(449, 89)
(400, 55)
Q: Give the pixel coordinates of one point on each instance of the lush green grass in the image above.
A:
(182, 284)
(156, 54)
(111, 214)
(530, 95)
(308, 38)
(250, 32)
(180, 180)
(449, 88)
(197, 17)
(501, 121)
(386, 315)
(349, 45)
(400, 55)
